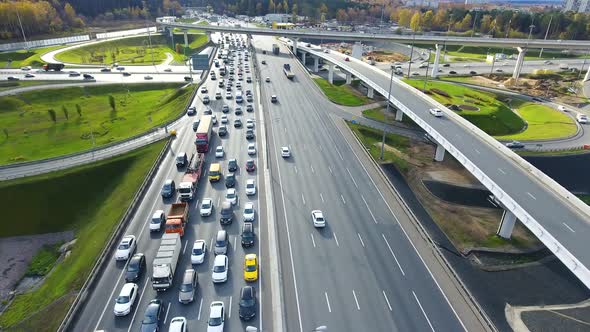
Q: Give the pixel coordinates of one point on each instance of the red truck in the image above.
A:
(188, 186)
(177, 218)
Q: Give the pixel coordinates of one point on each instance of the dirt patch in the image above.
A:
(400, 154)
(469, 108)
(380, 56)
(16, 254)
(465, 226)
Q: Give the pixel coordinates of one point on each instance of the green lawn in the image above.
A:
(43, 260)
(28, 132)
(494, 116)
(379, 114)
(93, 214)
(342, 94)
(543, 122)
(371, 138)
(134, 51)
(24, 58)
(9, 85)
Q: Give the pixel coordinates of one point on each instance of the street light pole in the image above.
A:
(546, 33)
(387, 111)
(411, 54)
(427, 67)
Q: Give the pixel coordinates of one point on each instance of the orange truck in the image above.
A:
(177, 218)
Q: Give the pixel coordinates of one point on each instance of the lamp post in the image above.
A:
(427, 67)
(411, 54)
(387, 111)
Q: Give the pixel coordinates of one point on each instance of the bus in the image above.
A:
(204, 134)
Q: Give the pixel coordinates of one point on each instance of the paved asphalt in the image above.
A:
(561, 220)
(98, 313)
(360, 272)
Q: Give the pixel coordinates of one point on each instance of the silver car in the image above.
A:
(188, 286)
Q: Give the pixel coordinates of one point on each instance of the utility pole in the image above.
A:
(22, 30)
(427, 66)
(387, 111)
(475, 20)
(507, 32)
(546, 33)
(411, 54)
(493, 63)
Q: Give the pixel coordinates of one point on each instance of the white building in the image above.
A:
(166, 19)
(279, 18)
(580, 6)
(422, 3)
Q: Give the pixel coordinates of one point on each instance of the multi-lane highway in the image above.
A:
(97, 314)
(361, 272)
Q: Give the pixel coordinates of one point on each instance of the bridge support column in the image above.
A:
(294, 41)
(399, 115)
(370, 92)
(587, 76)
(439, 154)
(519, 62)
(185, 38)
(434, 73)
(303, 57)
(316, 64)
(348, 78)
(331, 73)
(171, 32)
(506, 225)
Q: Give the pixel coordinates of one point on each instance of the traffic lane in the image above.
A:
(111, 77)
(507, 175)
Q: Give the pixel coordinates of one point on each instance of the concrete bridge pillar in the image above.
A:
(439, 154)
(506, 225)
(348, 78)
(303, 57)
(370, 92)
(434, 73)
(294, 41)
(171, 31)
(519, 62)
(399, 115)
(185, 38)
(331, 73)
(316, 63)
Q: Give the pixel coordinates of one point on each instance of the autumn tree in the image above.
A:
(486, 24)
(405, 16)
(271, 6)
(427, 20)
(416, 22)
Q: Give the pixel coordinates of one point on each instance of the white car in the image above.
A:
(224, 119)
(217, 95)
(177, 324)
(251, 149)
(250, 123)
(216, 317)
(318, 218)
(26, 68)
(158, 220)
(249, 212)
(220, 267)
(125, 248)
(231, 196)
(250, 187)
(219, 152)
(214, 119)
(562, 108)
(126, 299)
(436, 112)
(285, 152)
(228, 95)
(206, 207)
(199, 251)
(582, 118)
(267, 79)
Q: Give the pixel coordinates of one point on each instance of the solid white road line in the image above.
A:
(229, 309)
(353, 181)
(531, 195)
(328, 302)
(343, 201)
(568, 227)
(501, 171)
(200, 307)
(360, 238)
(477, 151)
(137, 307)
(295, 169)
(211, 245)
(369, 209)
(184, 249)
(312, 240)
(218, 200)
(392, 254)
(330, 169)
(322, 197)
(167, 311)
(312, 168)
(423, 312)
(303, 198)
(356, 300)
(235, 241)
(336, 238)
(339, 153)
(387, 300)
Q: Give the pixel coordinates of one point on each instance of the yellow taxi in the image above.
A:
(250, 267)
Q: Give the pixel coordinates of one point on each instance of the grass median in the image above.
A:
(90, 200)
(134, 50)
(25, 58)
(48, 123)
(342, 94)
(543, 122)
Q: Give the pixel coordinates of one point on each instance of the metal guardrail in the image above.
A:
(573, 264)
(112, 242)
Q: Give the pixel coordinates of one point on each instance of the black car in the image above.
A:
(473, 72)
(238, 111)
(225, 109)
(247, 303)
(237, 123)
(230, 180)
(446, 65)
(151, 317)
(135, 268)
(248, 236)
(187, 79)
(222, 131)
(191, 110)
(452, 72)
(249, 108)
(12, 78)
(232, 165)
(168, 189)
(126, 73)
(208, 111)
(88, 76)
(249, 134)
(106, 70)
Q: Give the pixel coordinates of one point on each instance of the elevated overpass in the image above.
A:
(557, 217)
